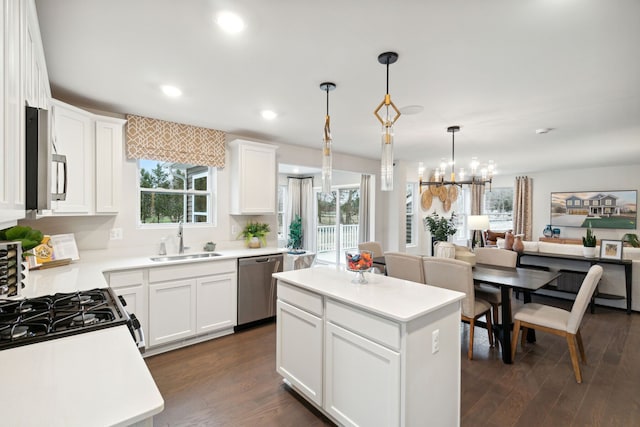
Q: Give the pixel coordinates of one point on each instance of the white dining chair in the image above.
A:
(559, 321)
(500, 258)
(457, 275)
(404, 266)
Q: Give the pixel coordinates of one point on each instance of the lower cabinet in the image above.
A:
(216, 302)
(172, 311)
(299, 354)
(360, 375)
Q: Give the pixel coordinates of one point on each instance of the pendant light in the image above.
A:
(326, 143)
(387, 121)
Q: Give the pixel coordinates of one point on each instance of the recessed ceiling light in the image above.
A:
(171, 91)
(268, 114)
(230, 22)
(411, 109)
(543, 130)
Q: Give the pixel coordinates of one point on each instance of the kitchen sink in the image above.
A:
(185, 256)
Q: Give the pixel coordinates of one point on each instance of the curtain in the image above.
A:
(155, 139)
(364, 214)
(522, 213)
(300, 202)
(477, 199)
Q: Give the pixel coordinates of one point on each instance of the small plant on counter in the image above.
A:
(255, 229)
(589, 241)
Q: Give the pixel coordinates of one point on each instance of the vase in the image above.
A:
(589, 252)
(518, 244)
(548, 231)
(508, 240)
(254, 242)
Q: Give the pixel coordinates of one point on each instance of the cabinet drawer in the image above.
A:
(300, 298)
(119, 279)
(378, 329)
(195, 269)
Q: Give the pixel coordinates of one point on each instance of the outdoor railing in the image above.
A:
(326, 237)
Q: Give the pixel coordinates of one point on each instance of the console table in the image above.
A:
(627, 263)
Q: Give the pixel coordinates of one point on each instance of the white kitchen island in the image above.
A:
(382, 353)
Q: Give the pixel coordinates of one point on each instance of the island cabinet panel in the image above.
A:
(364, 354)
(299, 350)
(361, 375)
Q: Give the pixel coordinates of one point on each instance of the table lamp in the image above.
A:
(477, 223)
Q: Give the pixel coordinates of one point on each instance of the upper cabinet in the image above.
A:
(94, 149)
(23, 81)
(253, 178)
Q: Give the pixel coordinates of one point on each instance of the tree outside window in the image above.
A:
(498, 205)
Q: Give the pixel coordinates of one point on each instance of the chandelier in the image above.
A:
(326, 142)
(389, 116)
(445, 173)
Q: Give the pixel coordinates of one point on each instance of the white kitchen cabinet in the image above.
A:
(216, 302)
(12, 116)
(93, 145)
(36, 81)
(299, 355)
(253, 178)
(172, 311)
(132, 286)
(108, 164)
(192, 302)
(73, 137)
(361, 375)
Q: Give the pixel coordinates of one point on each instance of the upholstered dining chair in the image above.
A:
(376, 250)
(404, 266)
(457, 275)
(500, 258)
(559, 321)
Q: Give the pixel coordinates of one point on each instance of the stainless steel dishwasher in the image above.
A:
(256, 288)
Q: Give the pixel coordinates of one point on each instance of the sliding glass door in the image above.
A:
(337, 223)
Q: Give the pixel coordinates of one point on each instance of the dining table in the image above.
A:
(525, 279)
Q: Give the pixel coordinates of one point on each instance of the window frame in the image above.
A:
(212, 203)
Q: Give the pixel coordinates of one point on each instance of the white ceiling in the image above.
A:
(499, 68)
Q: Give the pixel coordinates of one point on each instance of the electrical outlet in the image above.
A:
(115, 234)
(234, 229)
(435, 341)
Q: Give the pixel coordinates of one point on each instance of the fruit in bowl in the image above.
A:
(359, 261)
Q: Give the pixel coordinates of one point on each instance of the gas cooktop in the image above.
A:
(33, 320)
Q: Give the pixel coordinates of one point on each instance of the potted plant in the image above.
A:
(295, 236)
(255, 234)
(632, 239)
(589, 244)
(440, 227)
(28, 237)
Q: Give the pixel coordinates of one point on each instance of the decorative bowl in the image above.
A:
(359, 262)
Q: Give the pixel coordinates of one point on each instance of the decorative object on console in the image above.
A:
(438, 180)
(548, 231)
(477, 223)
(556, 233)
(589, 244)
(255, 234)
(295, 236)
(518, 245)
(508, 240)
(326, 143)
(359, 262)
(632, 239)
(598, 209)
(611, 249)
(386, 161)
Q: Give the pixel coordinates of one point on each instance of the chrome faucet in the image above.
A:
(180, 236)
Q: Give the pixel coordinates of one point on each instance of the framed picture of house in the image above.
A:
(596, 209)
(611, 249)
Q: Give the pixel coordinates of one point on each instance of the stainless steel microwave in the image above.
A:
(46, 170)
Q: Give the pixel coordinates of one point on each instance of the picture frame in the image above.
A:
(595, 209)
(611, 249)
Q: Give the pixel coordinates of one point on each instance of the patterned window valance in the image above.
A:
(174, 142)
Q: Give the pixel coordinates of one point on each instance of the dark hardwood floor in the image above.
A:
(231, 381)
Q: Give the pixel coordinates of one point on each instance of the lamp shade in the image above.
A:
(478, 222)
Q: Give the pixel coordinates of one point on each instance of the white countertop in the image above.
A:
(95, 378)
(393, 298)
